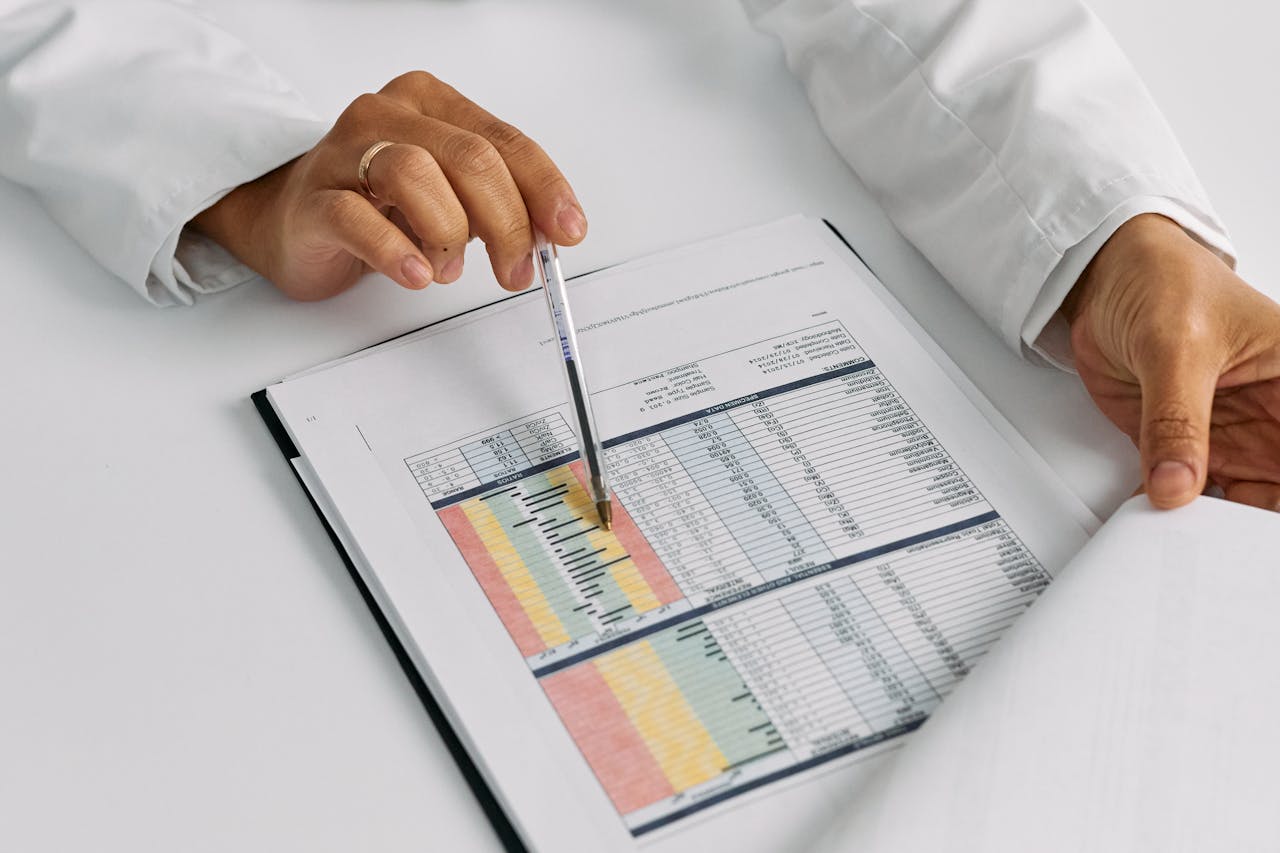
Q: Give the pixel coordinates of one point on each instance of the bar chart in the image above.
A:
(552, 574)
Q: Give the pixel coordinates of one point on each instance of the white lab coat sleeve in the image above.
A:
(126, 119)
(1006, 139)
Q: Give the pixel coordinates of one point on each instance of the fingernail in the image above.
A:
(1171, 479)
(451, 271)
(522, 273)
(416, 271)
(572, 222)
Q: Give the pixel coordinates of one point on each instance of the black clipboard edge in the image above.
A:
(498, 819)
(848, 245)
(489, 804)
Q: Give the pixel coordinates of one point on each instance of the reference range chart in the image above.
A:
(793, 574)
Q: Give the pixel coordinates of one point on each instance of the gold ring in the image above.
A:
(363, 172)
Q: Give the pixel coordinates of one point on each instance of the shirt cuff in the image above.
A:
(1046, 336)
(187, 263)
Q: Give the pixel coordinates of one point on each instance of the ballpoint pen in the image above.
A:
(547, 262)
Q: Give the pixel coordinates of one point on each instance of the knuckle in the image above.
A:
(455, 230)
(1176, 329)
(549, 181)
(361, 111)
(506, 137)
(1199, 331)
(414, 165)
(411, 81)
(337, 209)
(473, 155)
(1173, 424)
(384, 243)
(513, 232)
(442, 227)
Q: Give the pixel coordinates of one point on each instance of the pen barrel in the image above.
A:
(589, 447)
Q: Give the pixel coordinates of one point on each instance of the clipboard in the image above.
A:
(479, 786)
(484, 794)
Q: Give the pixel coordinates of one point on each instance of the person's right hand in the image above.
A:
(454, 172)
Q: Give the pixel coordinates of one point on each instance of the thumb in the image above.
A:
(1177, 400)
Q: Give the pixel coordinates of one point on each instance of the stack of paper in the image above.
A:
(820, 525)
(1134, 707)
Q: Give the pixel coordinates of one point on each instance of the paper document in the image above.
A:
(819, 528)
(1131, 709)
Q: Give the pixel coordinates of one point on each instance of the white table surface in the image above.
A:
(185, 664)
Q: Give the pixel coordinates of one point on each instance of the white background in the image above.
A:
(185, 664)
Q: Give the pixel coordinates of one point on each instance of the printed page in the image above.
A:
(817, 534)
(1132, 709)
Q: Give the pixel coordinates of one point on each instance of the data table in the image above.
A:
(792, 575)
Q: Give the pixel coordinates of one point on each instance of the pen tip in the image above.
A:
(605, 510)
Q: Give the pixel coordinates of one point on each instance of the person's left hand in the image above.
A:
(1184, 356)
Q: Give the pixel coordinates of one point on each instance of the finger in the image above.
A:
(409, 178)
(473, 168)
(1261, 495)
(1211, 489)
(346, 218)
(1177, 399)
(1214, 486)
(551, 202)
(1247, 451)
(494, 206)
(550, 199)
(398, 220)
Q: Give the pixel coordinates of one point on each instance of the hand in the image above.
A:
(454, 172)
(1184, 357)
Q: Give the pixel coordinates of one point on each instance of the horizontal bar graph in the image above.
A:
(550, 571)
(661, 715)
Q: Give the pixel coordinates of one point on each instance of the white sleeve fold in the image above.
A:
(1000, 136)
(124, 138)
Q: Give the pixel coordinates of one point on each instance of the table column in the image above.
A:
(746, 496)
(788, 678)
(677, 520)
(947, 600)
(862, 653)
(545, 438)
(856, 458)
(495, 456)
(442, 474)
(793, 447)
